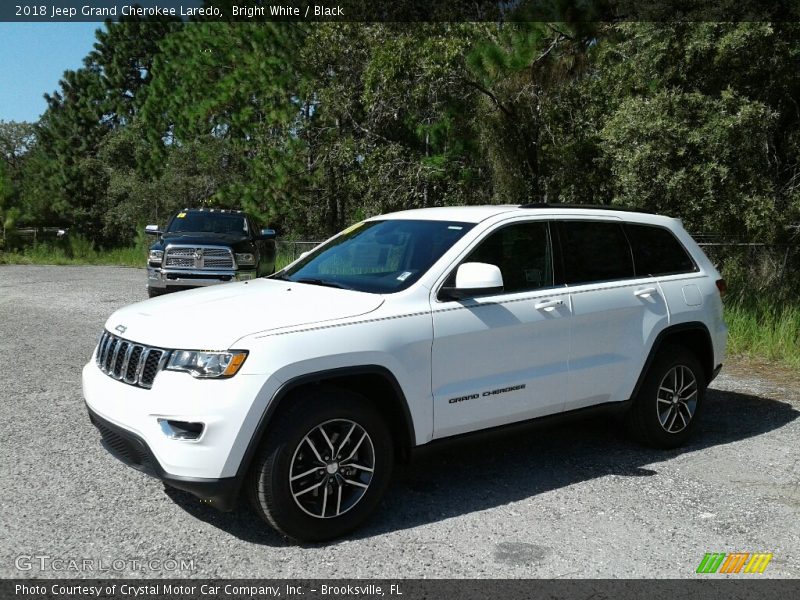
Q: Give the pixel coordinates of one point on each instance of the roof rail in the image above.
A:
(559, 205)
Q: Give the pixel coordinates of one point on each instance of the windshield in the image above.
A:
(377, 256)
(208, 222)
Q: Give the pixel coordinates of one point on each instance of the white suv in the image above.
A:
(301, 389)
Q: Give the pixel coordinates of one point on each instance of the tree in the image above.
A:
(521, 71)
(387, 121)
(704, 123)
(125, 52)
(236, 85)
(16, 140)
(66, 181)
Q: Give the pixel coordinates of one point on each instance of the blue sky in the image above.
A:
(33, 57)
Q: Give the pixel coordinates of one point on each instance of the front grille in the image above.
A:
(126, 361)
(198, 257)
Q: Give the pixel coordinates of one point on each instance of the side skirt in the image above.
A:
(493, 433)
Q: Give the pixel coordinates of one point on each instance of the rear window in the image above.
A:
(656, 251)
(594, 251)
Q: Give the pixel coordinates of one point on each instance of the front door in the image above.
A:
(503, 357)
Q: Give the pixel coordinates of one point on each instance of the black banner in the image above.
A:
(744, 588)
(400, 10)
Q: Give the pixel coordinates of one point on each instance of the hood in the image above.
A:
(215, 317)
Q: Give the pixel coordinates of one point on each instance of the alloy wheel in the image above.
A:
(332, 468)
(677, 399)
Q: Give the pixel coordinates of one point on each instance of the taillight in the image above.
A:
(722, 287)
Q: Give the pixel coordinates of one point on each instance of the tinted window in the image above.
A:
(657, 252)
(594, 251)
(522, 252)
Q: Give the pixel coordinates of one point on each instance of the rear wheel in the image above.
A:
(665, 410)
(323, 467)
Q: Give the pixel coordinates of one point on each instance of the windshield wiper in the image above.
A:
(323, 282)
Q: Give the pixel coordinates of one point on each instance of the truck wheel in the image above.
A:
(323, 467)
(151, 293)
(665, 410)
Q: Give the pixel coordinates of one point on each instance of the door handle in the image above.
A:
(548, 304)
(645, 292)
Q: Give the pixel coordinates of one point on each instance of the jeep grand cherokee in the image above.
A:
(299, 390)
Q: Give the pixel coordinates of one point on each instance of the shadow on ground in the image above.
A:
(475, 475)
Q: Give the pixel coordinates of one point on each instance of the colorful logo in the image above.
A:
(735, 562)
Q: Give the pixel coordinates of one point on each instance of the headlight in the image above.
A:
(156, 255)
(245, 259)
(207, 364)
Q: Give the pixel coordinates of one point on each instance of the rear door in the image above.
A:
(502, 357)
(614, 311)
(658, 253)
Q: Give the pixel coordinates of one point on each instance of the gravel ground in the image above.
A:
(575, 501)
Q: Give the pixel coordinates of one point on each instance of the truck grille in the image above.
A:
(198, 257)
(129, 362)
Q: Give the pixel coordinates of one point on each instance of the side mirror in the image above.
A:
(475, 279)
(152, 230)
(268, 234)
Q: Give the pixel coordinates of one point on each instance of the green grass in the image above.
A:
(769, 330)
(75, 251)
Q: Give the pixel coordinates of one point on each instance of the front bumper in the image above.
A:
(168, 279)
(221, 406)
(134, 451)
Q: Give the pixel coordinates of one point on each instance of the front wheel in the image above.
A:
(323, 467)
(665, 410)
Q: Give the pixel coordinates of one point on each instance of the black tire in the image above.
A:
(296, 508)
(659, 417)
(151, 293)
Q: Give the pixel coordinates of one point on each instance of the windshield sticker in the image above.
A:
(456, 227)
(181, 215)
(352, 228)
(404, 275)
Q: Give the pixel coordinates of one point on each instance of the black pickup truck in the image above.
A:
(205, 246)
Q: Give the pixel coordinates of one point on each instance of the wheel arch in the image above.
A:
(371, 381)
(694, 336)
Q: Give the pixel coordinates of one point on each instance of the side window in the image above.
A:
(656, 251)
(523, 254)
(594, 251)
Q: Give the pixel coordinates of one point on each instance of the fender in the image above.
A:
(266, 418)
(659, 341)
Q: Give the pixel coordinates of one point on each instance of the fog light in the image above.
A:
(181, 430)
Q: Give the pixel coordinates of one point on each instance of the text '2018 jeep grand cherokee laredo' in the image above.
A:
(299, 390)
(206, 246)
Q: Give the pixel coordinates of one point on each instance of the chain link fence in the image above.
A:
(754, 267)
(30, 236)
